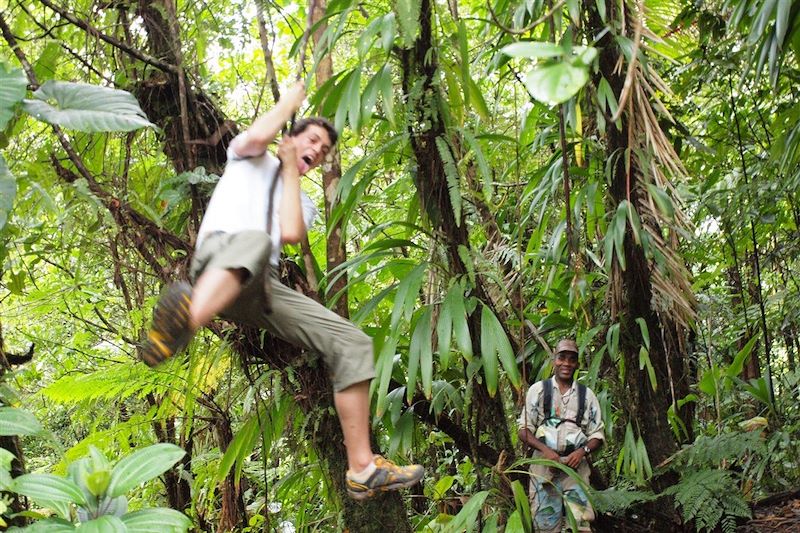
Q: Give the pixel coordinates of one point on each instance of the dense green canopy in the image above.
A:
(508, 174)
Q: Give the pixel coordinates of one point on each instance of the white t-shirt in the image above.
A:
(239, 201)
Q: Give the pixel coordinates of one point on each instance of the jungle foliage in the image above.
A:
(509, 173)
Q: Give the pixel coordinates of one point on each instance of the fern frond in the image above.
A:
(111, 382)
(712, 451)
(122, 381)
(614, 500)
(709, 497)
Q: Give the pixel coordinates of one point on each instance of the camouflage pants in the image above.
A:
(548, 489)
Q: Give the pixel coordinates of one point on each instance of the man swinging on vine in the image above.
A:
(238, 246)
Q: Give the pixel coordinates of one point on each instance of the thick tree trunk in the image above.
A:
(336, 253)
(752, 367)
(233, 508)
(17, 504)
(632, 291)
(315, 397)
(789, 338)
(385, 512)
(420, 65)
(178, 490)
(196, 131)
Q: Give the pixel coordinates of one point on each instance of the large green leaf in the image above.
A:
(489, 352)
(782, 20)
(477, 100)
(46, 487)
(494, 338)
(240, 448)
(708, 382)
(85, 107)
(369, 97)
(444, 326)
(533, 49)
(444, 484)
(142, 466)
(407, 294)
(662, 199)
(420, 356)
(522, 505)
(15, 421)
(6, 458)
(8, 191)
(383, 369)
(13, 85)
(387, 93)
(460, 325)
(388, 31)
(469, 513)
(737, 365)
(156, 520)
(50, 525)
(352, 99)
(103, 524)
(555, 83)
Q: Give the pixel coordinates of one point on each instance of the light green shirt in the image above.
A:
(565, 407)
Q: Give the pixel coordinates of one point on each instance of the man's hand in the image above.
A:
(574, 459)
(549, 453)
(293, 227)
(287, 153)
(265, 128)
(294, 96)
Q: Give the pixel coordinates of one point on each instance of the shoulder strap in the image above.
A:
(547, 400)
(271, 197)
(581, 403)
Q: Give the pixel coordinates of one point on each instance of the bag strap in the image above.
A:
(271, 197)
(581, 403)
(547, 403)
(547, 400)
(268, 267)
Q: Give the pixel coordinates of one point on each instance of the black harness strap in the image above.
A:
(547, 403)
(547, 408)
(581, 403)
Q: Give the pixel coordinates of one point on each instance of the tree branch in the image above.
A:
(12, 42)
(116, 43)
(120, 210)
(270, 66)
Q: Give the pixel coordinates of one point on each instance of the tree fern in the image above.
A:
(711, 498)
(614, 500)
(121, 381)
(711, 451)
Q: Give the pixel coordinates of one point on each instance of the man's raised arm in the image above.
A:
(265, 128)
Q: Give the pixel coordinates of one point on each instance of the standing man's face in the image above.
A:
(566, 364)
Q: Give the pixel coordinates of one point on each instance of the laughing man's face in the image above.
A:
(312, 145)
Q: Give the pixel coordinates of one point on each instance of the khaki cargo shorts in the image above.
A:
(296, 318)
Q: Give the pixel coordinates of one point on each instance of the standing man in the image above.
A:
(232, 257)
(561, 421)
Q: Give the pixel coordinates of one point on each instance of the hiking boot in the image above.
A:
(170, 331)
(387, 476)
